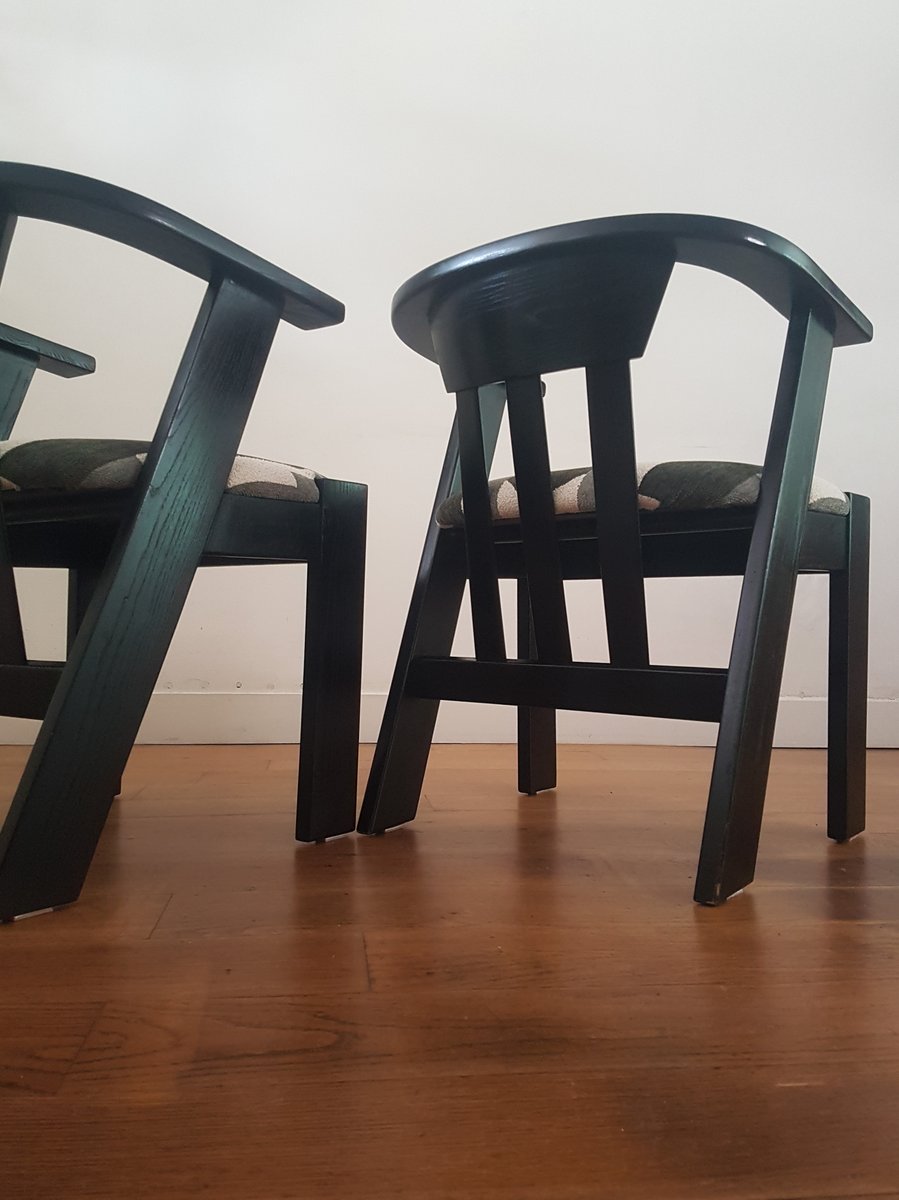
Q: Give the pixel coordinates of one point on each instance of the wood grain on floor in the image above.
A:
(513, 997)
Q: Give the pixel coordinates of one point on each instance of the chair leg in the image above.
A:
(67, 787)
(64, 795)
(733, 820)
(83, 581)
(332, 673)
(536, 726)
(745, 738)
(848, 681)
(404, 743)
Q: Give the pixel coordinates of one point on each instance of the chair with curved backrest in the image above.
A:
(132, 521)
(497, 319)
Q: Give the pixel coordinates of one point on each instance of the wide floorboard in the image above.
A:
(512, 998)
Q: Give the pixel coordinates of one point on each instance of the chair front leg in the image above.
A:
(743, 754)
(63, 798)
(83, 581)
(70, 780)
(847, 700)
(332, 673)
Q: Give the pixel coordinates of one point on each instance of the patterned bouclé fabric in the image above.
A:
(97, 464)
(669, 486)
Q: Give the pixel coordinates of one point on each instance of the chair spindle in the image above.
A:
(539, 535)
(617, 514)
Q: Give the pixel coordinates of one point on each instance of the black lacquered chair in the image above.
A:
(496, 320)
(132, 521)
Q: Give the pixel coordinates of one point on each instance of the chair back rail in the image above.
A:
(472, 297)
(113, 212)
(586, 296)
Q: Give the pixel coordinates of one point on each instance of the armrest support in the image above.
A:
(123, 216)
(46, 355)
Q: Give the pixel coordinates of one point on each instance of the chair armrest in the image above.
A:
(112, 212)
(47, 356)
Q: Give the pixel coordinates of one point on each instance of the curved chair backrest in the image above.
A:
(589, 292)
(123, 216)
(112, 212)
(497, 318)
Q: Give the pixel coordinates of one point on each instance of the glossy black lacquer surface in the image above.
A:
(497, 320)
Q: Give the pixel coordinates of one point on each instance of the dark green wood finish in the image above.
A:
(691, 694)
(332, 673)
(123, 216)
(536, 726)
(743, 752)
(539, 535)
(401, 754)
(132, 555)
(474, 465)
(491, 284)
(561, 298)
(96, 710)
(12, 639)
(614, 458)
(16, 374)
(848, 680)
(47, 355)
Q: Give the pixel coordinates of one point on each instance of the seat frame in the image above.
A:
(132, 555)
(586, 295)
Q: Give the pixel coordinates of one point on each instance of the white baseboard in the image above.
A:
(253, 717)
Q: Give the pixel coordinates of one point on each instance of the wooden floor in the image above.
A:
(513, 998)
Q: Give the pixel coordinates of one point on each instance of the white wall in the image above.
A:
(354, 143)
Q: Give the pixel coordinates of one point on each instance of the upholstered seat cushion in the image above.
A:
(103, 464)
(671, 486)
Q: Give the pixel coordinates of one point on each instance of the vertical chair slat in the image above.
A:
(486, 614)
(539, 535)
(617, 515)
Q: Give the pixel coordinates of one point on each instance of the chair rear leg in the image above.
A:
(536, 726)
(404, 743)
(332, 673)
(82, 584)
(848, 681)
